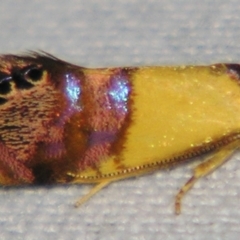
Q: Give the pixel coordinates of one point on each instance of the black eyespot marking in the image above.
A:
(24, 77)
(2, 101)
(20, 81)
(34, 73)
(5, 86)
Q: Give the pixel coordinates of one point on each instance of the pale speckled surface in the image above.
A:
(127, 32)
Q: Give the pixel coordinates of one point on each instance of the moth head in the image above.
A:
(21, 74)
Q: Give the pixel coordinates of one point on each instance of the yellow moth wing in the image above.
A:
(178, 109)
(174, 110)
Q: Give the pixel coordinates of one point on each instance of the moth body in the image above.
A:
(61, 123)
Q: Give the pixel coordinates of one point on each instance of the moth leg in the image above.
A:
(215, 161)
(92, 192)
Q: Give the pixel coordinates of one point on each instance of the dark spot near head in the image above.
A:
(23, 77)
(21, 83)
(19, 79)
(5, 86)
(34, 73)
(2, 101)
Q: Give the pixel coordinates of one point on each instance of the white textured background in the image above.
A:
(127, 32)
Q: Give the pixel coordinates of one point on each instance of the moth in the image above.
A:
(62, 123)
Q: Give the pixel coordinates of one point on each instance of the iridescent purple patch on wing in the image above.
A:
(73, 91)
(119, 93)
